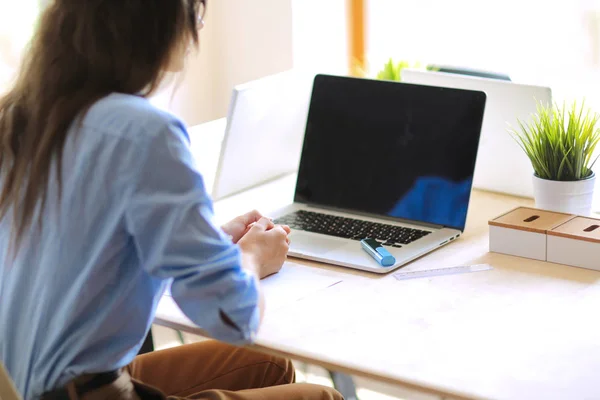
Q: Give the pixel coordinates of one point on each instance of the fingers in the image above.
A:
(264, 224)
(251, 217)
(281, 230)
(287, 232)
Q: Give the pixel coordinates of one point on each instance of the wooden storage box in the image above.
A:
(576, 243)
(523, 231)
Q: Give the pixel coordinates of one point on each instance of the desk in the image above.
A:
(525, 330)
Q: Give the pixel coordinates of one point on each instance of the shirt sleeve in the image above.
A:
(170, 218)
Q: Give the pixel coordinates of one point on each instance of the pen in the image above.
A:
(376, 250)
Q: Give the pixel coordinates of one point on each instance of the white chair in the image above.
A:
(7, 388)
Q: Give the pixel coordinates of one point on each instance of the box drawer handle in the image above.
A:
(592, 228)
(531, 219)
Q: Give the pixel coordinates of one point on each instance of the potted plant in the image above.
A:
(392, 71)
(560, 144)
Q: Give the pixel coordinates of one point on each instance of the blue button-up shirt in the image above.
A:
(133, 216)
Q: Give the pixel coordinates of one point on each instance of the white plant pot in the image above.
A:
(574, 197)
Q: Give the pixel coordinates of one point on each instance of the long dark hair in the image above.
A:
(81, 52)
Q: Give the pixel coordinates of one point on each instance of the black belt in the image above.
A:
(94, 382)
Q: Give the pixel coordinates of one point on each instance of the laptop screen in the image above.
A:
(391, 149)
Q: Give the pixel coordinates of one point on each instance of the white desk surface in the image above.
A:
(524, 330)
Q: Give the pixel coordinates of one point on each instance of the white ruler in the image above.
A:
(442, 271)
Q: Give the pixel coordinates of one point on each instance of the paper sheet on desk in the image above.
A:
(293, 283)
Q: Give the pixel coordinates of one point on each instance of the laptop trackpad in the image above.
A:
(312, 244)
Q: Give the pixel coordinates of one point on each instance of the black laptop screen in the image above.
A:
(391, 149)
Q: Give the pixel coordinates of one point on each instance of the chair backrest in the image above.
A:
(7, 388)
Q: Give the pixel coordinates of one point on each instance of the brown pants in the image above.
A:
(212, 371)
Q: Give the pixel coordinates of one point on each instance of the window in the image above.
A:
(320, 35)
(553, 43)
(17, 21)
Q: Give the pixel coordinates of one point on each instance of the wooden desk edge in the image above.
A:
(420, 387)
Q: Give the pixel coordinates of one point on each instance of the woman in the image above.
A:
(101, 206)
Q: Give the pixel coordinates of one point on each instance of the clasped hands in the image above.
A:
(264, 245)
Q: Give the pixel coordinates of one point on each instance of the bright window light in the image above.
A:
(17, 22)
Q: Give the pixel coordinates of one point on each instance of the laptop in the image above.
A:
(264, 132)
(383, 160)
(502, 166)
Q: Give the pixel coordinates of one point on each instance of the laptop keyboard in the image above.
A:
(348, 228)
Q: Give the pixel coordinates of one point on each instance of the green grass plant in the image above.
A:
(560, 142)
